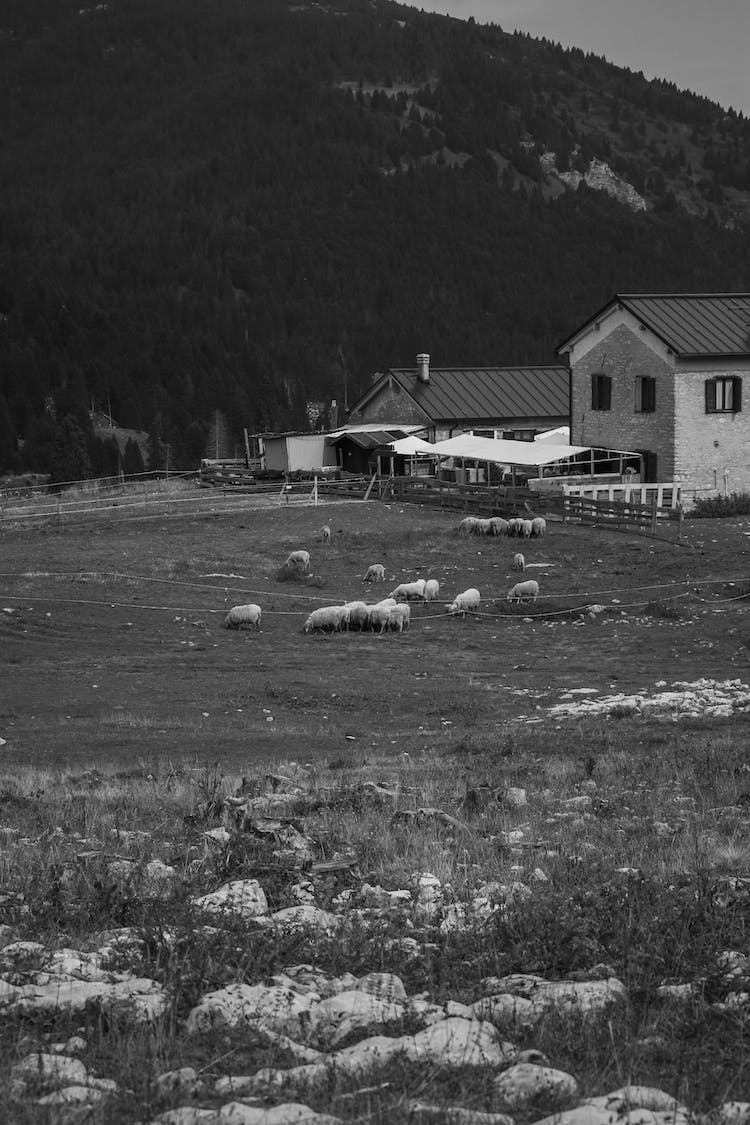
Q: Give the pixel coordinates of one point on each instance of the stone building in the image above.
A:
(663, 375)
(496, 402)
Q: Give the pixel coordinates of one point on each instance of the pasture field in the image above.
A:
(582, 808)
(112, 646)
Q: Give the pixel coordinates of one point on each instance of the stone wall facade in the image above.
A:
(706, 453)
(624, 355)
(390, 404)
(712, 450)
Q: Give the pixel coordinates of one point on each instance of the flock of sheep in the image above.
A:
(393, 613)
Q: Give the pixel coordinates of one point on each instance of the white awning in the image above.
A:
(560, 436)
(375, 428)
(409, 446)
(503, 452)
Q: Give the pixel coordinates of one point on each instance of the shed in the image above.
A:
(297, 453)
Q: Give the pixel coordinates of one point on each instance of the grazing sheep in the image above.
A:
(431, 590)
(524, 592)
(325, 533)
(526, 528)
(467, 525)
(327, 619)
(499, 525)
(410, 590)
(515, 526)
(400, 617)
(380, 617)
(467, 602)
(538, 526)
(240, 616)
(359, 615)
(519, 562)
(298, 560)
(375, 573)
(483, 527)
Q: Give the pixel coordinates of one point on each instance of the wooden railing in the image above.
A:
(623, 516)
(474, 499)
(664, 495)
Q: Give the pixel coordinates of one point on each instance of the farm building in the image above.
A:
(353, 447)
(662, 374)
(496, 402)
(297, 453)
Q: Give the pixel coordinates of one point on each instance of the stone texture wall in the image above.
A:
(391, 404)
(624, 355)
(710, 445)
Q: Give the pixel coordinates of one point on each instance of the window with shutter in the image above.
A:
(645, 394)
(724, 395)
(601, 392)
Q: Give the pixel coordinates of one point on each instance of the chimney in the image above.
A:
(423, 368)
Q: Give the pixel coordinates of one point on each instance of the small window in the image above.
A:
(645, 394)
(724, 396)
(601, 392)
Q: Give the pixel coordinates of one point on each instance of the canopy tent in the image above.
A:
(411, 446)
(498, 451)
(560, 435)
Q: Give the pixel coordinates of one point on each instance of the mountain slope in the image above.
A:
(248, 206)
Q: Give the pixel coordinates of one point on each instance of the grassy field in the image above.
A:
(126, 706)
(112, 647)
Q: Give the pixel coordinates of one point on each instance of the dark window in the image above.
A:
(601, 392)
(724, 396)
(645, 394)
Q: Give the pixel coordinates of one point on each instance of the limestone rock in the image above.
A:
(422, 1113)
(332, 1020)
(506, 1011)
(244, 898)
(244, 1005)
(183, 1082)
(305, 917)
(525, 1084)
(50, 1072)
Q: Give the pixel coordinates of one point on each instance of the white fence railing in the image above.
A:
(665, 495)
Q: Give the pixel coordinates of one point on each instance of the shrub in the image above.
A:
(718, 507)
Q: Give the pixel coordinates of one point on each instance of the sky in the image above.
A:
(700, 45)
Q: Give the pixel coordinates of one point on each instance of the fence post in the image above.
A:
(654, 514)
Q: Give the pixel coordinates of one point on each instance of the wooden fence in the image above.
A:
(474, 499)
(623, 516)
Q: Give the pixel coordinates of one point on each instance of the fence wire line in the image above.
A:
(694, 582)
(586, 606)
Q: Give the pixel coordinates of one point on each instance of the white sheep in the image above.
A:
(524, 592)
(380, 617)
(483, 527)
(515, 526)
(298, 560)
(375, 573)
(241, 616)
(526, 529)
(326, 619)
(359, 615)
(466, 526)
(467, 602)
(400, 617)
(325, 533)
(538, 526)
(519, 562)
(431, 590)
(499, 525)
(409, 590)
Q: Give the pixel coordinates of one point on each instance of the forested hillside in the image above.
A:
(243, 206)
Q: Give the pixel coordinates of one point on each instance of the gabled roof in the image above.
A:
(474, 393)
(690, 324)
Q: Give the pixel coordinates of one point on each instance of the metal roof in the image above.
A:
(488, 392)
(690, 324)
